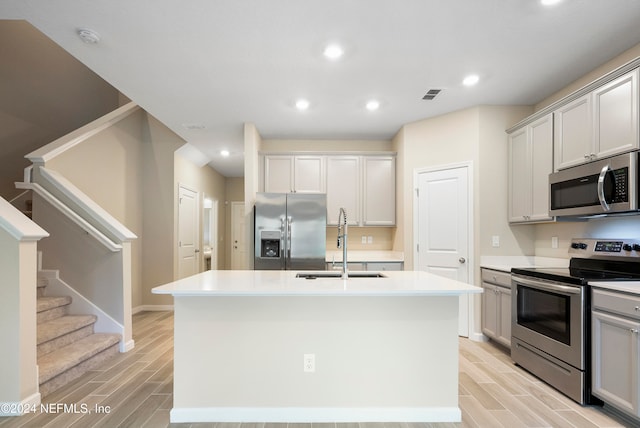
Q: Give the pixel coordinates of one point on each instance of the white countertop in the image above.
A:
(360, 256)
(505, 263)
(284, 283)
(625, 286)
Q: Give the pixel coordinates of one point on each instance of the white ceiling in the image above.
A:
(221, 63)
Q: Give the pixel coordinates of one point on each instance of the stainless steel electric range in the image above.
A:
(551, 312)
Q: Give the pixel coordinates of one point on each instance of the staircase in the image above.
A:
(67, 344)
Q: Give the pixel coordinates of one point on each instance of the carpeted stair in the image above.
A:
(67, 344)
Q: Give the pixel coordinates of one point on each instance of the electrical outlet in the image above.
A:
(309, 363)
(363, 239)
(554, 242)
(369, 239)
(495, 241)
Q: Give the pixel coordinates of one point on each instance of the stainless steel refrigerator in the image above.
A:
(290, 231)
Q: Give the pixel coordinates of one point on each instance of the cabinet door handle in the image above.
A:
(633, 330)
(637, 308)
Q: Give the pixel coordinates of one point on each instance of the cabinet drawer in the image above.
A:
(497, 277)
(619, 303)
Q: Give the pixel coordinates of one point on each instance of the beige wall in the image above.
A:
(158, 201)
(442, 140)
(108, 168)
(605, 68)
(325, 145)
(252, 147)
(492, 185)
(46, 93)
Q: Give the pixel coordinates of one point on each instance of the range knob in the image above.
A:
(583, 246)
(627, 247)
(636, 247)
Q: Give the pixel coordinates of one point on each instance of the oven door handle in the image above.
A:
(547, 286)
(601, 196)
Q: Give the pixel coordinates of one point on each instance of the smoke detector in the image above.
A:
(88, 36)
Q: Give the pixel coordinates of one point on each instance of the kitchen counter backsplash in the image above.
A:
(366, 256)
(505, 263)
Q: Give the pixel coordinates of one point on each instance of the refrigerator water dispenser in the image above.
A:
(269, 244)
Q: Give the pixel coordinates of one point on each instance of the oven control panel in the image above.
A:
(587, 247)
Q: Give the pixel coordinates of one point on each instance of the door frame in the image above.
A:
(470, 238)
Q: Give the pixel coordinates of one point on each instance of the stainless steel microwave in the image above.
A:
(607, 186)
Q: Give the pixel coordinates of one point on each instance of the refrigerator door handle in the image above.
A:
(288, 242)
(283, 261)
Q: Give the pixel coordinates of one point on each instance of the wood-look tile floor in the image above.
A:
(136, 388)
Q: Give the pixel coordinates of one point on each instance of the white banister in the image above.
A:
(95, 211)
(71, 215)
(62, 144)
(18, 225)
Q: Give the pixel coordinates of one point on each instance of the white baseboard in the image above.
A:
(143, 308)
(30, 404)
(315, 414)
(127, 346)
(478, 337)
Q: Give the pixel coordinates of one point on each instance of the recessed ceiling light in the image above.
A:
(333, 51)
(549, 2)
(373, 105)
(224, 153)
(302, 104)
(88, 36)
(471, 80)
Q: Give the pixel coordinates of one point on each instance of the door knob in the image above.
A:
(462, 260)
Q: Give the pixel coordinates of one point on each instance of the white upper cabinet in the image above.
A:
(599, 124)
(343, 188)
(530, 163)
(278, 174)
(379, 186)
(616, 116)
(309, 174)
(365, 185)
(573, 138)
(288, 174)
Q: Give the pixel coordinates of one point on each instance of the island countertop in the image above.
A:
(285, 283)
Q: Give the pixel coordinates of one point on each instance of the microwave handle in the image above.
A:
(601, 197)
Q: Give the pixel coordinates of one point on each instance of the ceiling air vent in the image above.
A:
(431, 94)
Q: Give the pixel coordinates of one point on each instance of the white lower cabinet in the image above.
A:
(615, 353)
(496, 305)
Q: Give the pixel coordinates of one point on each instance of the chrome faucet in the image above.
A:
(342, 241)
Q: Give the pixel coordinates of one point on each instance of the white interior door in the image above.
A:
(238, 241)
(443, 228)
(188, 235)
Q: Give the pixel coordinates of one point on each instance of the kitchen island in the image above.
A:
(265, 346)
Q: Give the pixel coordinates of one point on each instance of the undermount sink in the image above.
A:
(316, 275)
